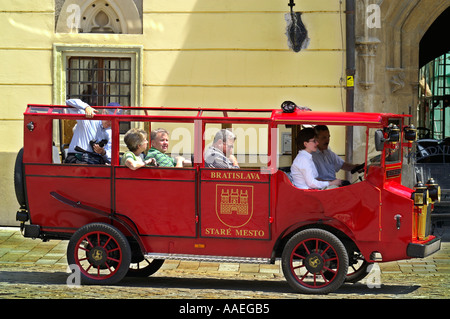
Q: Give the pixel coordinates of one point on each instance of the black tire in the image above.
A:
(145, 268)
(314, 261)
(101, 252)
(357, 270)
(139, 266)
(19, 179)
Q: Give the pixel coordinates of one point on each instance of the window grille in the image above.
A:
(99, 81)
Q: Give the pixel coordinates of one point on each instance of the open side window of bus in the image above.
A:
(251, 145)
(180, 140)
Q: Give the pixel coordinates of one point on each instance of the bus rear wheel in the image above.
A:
(315, 261)
(101, 253)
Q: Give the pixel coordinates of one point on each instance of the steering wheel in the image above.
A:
(358, 168)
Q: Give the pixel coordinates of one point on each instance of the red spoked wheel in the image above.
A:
(101, 252)
(315, 261)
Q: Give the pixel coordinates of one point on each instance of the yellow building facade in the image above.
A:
(187, 53)
(207, 53)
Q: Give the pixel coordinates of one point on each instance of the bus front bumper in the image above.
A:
(423, 249)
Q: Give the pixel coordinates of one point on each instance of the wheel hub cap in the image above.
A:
(314, 263)
(97, 256)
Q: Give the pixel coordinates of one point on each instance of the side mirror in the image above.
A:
(379, 140)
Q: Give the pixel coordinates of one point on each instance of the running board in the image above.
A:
(247, 260)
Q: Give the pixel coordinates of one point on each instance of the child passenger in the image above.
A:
(136, 141)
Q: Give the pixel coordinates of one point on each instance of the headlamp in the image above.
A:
(410, 133)
(434, 190)
(420, 195)
(393, 133)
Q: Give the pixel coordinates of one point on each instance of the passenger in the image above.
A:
(160, 145)
(219, 154)
(326, 161)
(136, 141)
(91, 141)
(303, 171)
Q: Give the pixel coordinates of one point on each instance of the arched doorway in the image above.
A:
(388, 55)
(434, 80)
(432, 158)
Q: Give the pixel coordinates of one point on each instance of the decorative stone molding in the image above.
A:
(367, 49)
(99, 16)
(397, 79)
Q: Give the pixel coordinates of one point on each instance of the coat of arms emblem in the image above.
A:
(234, 204)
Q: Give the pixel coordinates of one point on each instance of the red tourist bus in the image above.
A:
(127, 222)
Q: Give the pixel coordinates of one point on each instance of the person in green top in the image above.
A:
(136, 141)
(160, 145)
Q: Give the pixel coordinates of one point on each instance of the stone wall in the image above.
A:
(387, 55)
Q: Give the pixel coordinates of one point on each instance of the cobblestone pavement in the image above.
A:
(33, 269)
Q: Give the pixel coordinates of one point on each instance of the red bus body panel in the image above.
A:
(213, 212)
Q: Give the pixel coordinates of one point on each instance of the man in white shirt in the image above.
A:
(326, 161)
(81, 150)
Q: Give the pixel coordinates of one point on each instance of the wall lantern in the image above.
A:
(296, 31)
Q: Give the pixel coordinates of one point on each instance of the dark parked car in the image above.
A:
(432, 158)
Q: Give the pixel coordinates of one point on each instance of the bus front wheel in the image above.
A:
(315, 261)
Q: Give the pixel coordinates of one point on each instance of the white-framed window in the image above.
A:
(97, 75)
(101, 74)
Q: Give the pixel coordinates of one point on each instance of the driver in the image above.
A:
(326, 161)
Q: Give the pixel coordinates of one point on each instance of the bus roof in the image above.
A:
(335, 118)
(227, 115)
